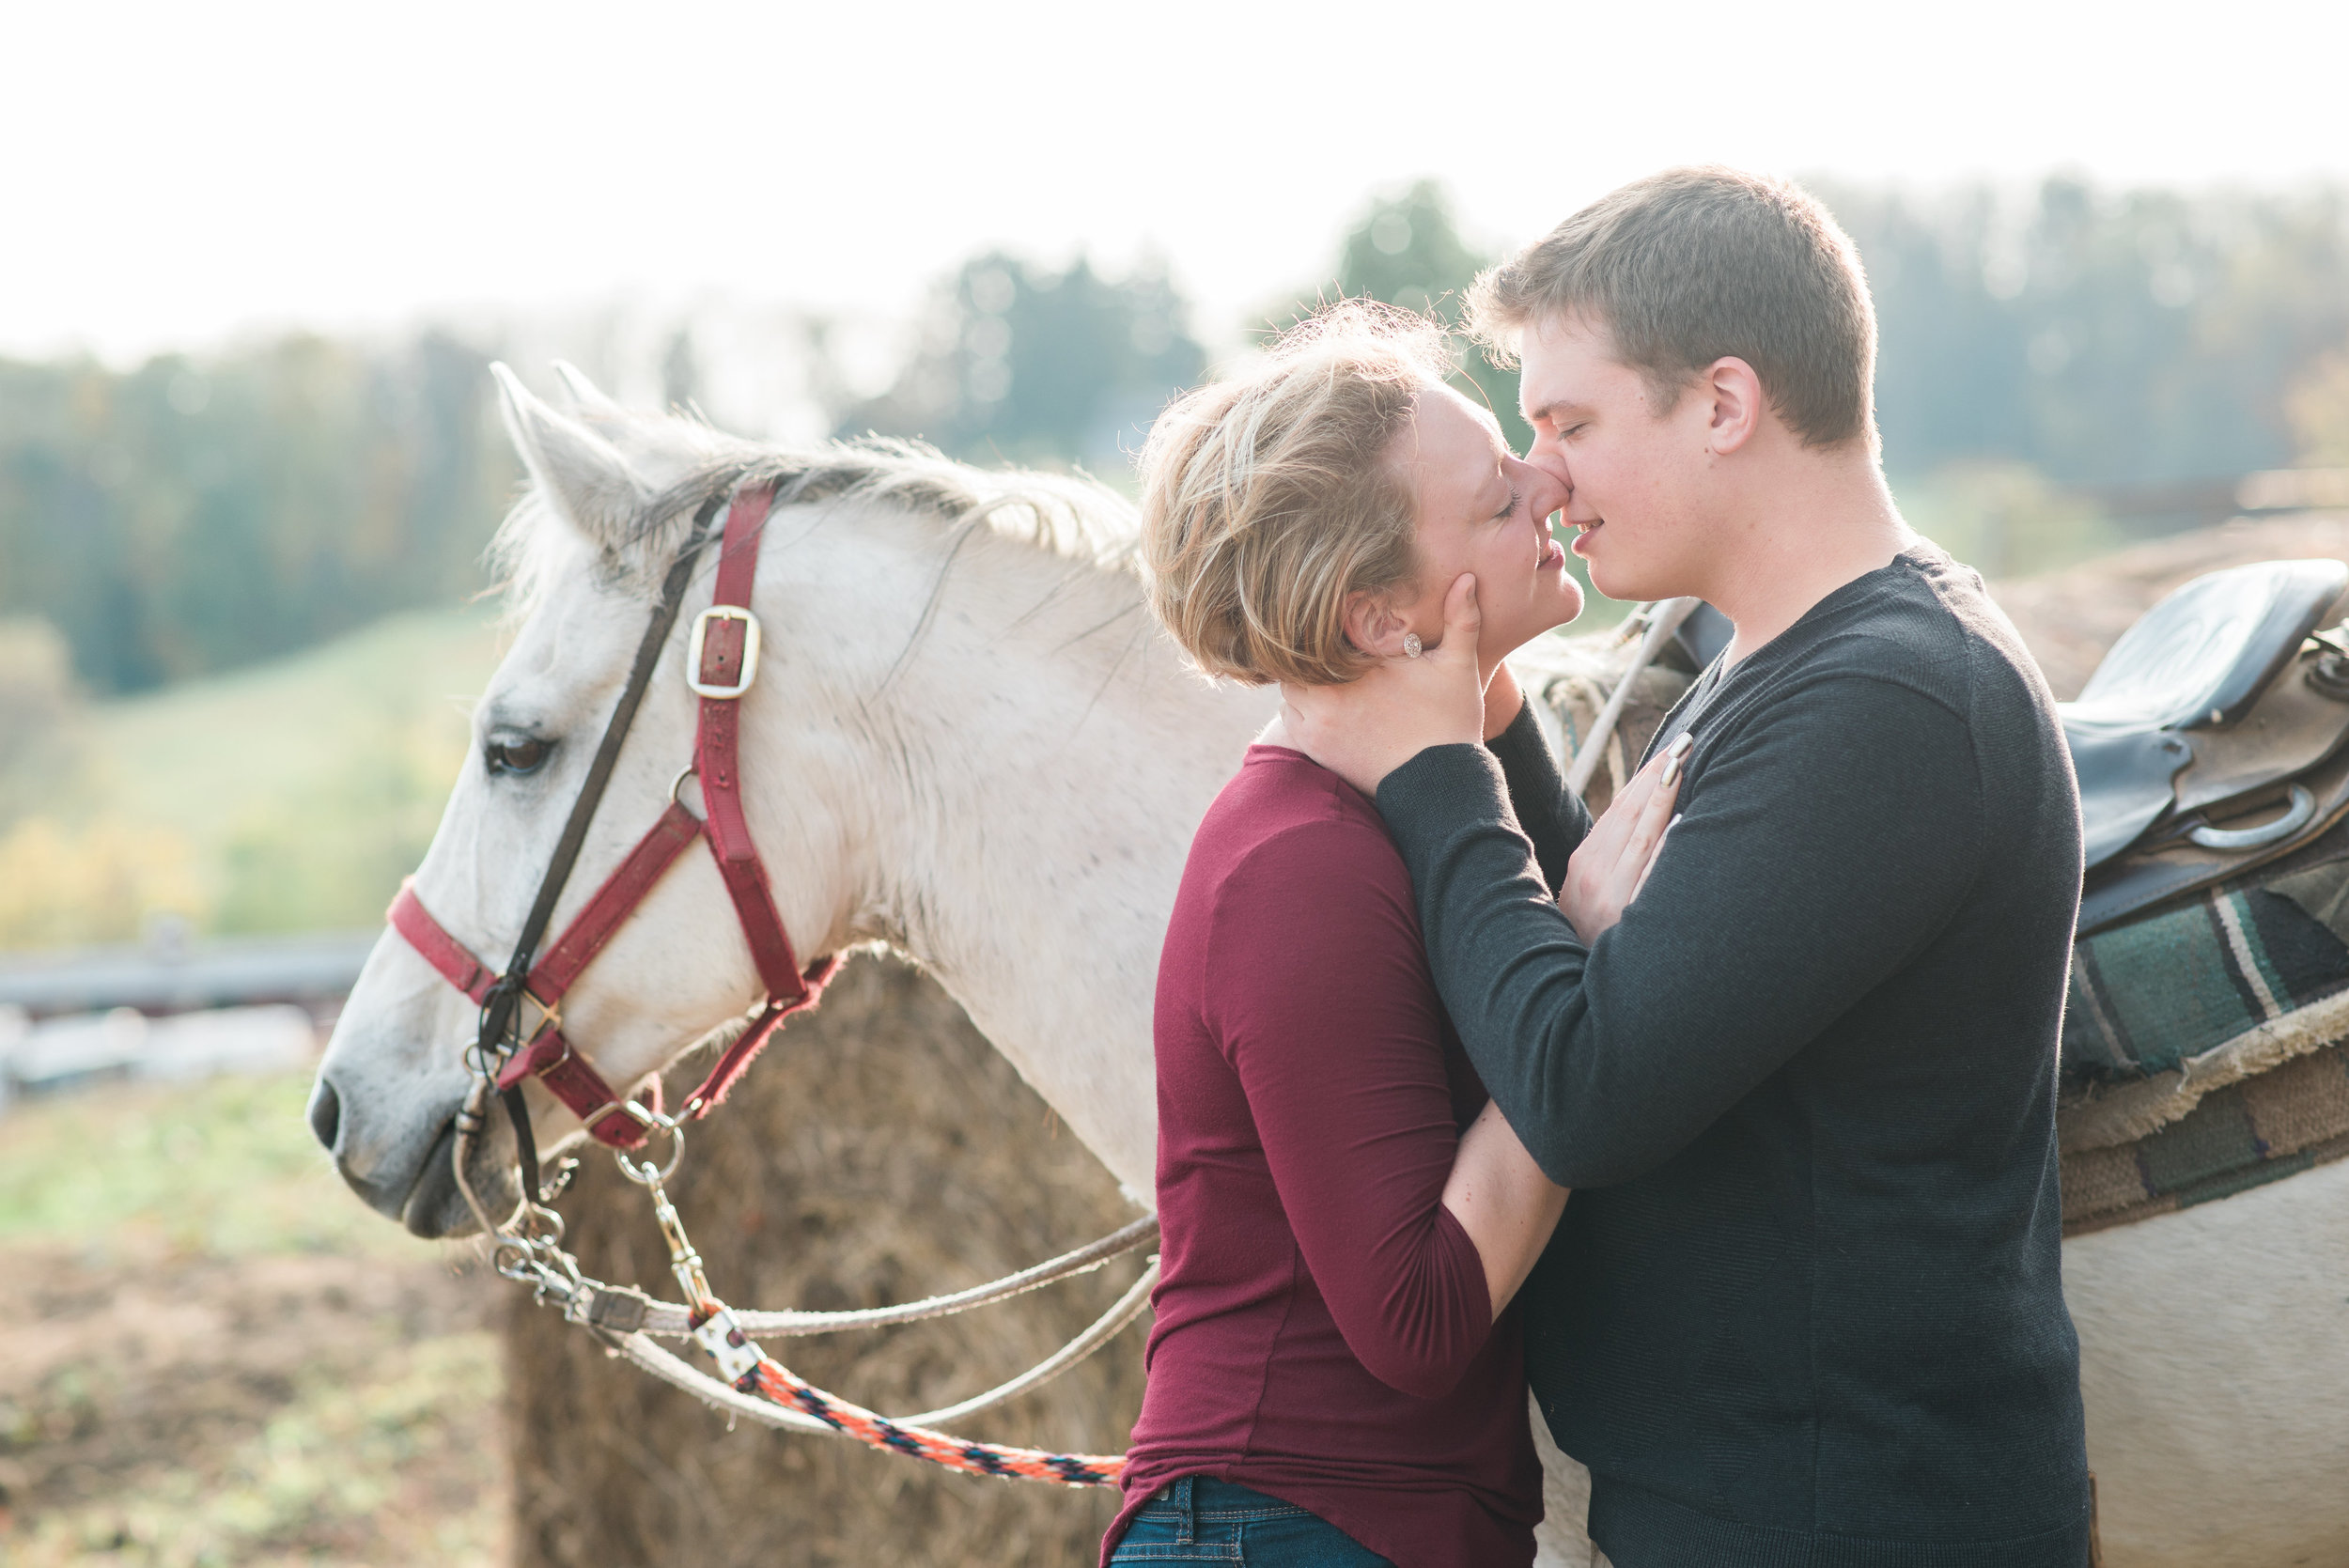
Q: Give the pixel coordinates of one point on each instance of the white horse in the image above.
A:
(968, 742)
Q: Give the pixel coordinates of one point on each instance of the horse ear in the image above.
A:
(584, 477)
(587, 399)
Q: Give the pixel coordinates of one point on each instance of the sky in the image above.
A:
(180, 176)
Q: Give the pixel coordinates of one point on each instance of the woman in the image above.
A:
(1335, 1376)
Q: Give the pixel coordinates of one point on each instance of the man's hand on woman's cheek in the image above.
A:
(1367, 728)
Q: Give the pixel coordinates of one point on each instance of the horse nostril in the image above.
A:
(326, 1114)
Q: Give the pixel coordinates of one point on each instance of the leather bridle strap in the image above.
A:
(726, 642)
(545, 1054)
(724, 655)
(498, 1009)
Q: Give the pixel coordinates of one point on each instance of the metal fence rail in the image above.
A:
(313, 971)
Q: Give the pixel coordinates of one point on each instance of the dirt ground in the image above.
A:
(211, 1354)
(172, 1409)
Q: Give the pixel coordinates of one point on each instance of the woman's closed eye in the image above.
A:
(1516, 500)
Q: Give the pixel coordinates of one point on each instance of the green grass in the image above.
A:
(226, 1167)
(206, 757)
(290, 797)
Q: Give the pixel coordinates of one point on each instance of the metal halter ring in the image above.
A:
(481, 1061)
(644, 1173)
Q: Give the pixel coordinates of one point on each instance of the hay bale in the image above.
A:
(880, 1151)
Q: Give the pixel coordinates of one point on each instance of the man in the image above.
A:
(1806, 1308)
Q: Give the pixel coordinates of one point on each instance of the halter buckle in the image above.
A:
(749, 652)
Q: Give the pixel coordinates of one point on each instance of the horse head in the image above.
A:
(953, 663)
(591, 533)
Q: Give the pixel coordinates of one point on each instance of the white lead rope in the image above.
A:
(672, 1321)
(626, 1318)
(1105, 1329)
(1663, 618)
(639, 1349)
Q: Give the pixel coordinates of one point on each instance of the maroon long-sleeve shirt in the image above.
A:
(1323, 1334)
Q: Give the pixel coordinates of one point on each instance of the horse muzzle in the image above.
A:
(420, 1193)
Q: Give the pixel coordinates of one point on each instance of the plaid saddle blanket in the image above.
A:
(2160, 991)
(2206, 1044)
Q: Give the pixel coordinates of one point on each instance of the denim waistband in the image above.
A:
(1200, 1497)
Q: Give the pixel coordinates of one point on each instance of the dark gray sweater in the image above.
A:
(1805, 1305)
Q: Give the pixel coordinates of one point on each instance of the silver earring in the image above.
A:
(1412, 647)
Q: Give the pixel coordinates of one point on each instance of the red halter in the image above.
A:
(721, 663)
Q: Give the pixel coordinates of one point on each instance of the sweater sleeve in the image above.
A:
(1552, 818)
(1821, 845)
(1318, 990)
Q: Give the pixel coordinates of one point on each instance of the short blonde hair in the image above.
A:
(1693, 264)
(1270, 499)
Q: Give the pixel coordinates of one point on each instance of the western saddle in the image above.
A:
(2210, 739)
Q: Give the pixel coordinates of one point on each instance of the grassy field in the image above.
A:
(210, 1354)
(290, 796)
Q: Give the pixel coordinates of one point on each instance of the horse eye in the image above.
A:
(516, 754)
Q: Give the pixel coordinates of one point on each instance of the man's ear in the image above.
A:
(1374, 625)
(1734, 392)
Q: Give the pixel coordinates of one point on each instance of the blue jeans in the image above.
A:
(1198, 1519)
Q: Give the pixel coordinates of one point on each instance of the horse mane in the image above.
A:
(1072, 517)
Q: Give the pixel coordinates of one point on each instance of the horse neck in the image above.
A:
(1029, 781)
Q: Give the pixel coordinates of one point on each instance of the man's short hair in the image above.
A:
(1690, 265)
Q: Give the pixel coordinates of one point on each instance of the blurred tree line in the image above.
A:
(2106, 337)
(1017, 362)
(197, 514)
(1407, 249)
(1014, 361)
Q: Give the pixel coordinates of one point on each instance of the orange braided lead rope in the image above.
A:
(714, 1329)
